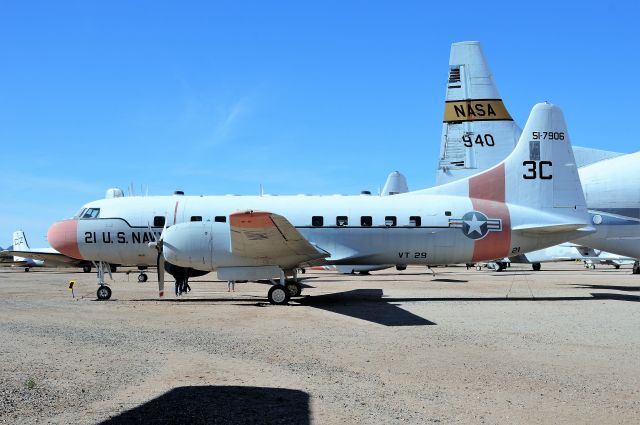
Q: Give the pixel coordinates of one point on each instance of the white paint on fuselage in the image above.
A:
(125, 223)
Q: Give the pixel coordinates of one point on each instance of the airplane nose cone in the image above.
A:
(63, 237)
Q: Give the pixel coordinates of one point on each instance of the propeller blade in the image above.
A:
(160, 266)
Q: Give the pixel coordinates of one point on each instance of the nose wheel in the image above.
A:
(279, 295)
(142, 277)
(103, 293)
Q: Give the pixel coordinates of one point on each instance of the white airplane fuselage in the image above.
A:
(124, 228)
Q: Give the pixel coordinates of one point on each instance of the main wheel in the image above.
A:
(536, 267)
(294, 288)
(142, 277)
(500, 266)
(104, 293)
(86, 268)
(26, 269)
(617, 266)
(278, 295)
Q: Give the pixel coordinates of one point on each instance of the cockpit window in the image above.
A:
(79, 214)
(91, 213)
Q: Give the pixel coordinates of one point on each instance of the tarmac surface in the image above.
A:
(463, 346)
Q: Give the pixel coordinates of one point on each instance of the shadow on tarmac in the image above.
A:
(610, 287)
(366, 304)
(221, 405)
(372, 306)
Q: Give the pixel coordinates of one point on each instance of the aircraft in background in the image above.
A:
(28, 258)
(531, 200)
(568, 252)
(478, 132)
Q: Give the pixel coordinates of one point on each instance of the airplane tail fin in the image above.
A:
(534, 197)
(20, 244)
(20, 241)
(539, 174)
(477, 130)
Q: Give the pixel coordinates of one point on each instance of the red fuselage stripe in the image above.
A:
(487, 193)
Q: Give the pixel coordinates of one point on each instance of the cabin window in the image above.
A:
(91, 213)
(158, 221)
(342, 220)
(447, 213)
(196, 218)
(220, 219)
(390, 221)
(317, 221)
(415, 220)
(366, 221)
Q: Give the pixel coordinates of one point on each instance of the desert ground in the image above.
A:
(461, 346)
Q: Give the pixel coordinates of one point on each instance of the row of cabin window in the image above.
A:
(366, 221)
(159, 220)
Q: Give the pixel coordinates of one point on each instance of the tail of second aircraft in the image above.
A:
(20, 244)
(477, 130)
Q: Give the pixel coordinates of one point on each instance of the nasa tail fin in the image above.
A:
(20, 244)
(477, 130)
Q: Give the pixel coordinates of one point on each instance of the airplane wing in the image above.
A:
(52, 257)
(270, 237)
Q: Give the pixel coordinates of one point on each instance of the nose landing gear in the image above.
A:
(103, 293)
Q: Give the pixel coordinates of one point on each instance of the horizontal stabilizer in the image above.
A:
(546, 229)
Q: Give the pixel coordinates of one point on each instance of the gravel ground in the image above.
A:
(557, 346)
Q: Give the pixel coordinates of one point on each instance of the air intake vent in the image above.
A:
(454, 75)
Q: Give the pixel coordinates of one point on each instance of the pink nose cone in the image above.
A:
(62, 236)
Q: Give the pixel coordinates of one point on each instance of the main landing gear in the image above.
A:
(636, 267)
(284, 289)
(536, 267)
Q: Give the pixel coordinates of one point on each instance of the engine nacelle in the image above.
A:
(189, 245)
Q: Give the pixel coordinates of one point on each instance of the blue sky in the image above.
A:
(301, 97)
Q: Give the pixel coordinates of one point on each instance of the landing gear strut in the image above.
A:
(280, 292)
(104, 292)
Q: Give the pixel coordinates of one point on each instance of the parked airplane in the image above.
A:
(529, 201)
(568, 252)
(478, 132)
(40, 257)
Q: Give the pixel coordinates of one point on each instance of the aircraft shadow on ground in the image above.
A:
(366, 304)
(221, 405)
(610, 287)
(371, 305)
